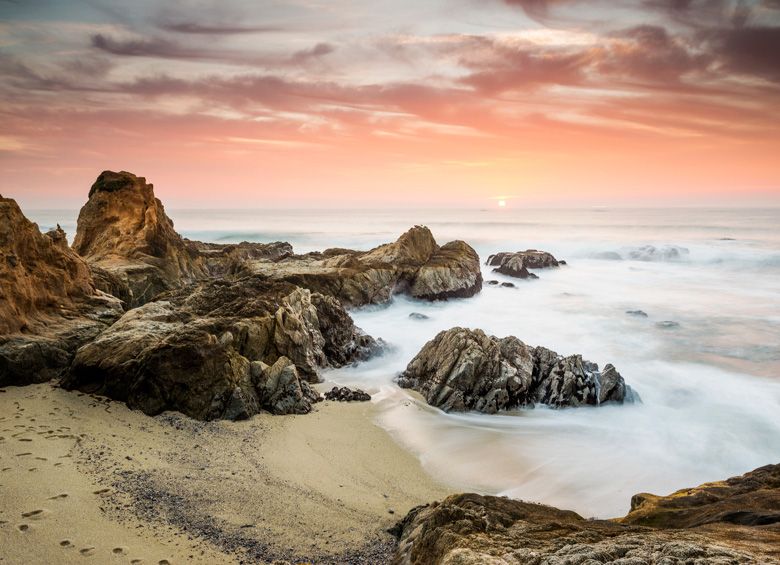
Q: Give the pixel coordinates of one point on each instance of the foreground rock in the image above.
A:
(344, 394)
(213, 350)
(414, 265)
(49, 305)
(736, 521)
(462, 369)
(517, 264)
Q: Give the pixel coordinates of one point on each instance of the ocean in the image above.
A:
(705, 360)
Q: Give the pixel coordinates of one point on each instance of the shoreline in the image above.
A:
(122, 486)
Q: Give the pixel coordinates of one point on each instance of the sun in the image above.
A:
(502, 203)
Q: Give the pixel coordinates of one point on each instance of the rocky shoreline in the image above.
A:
(135, 313)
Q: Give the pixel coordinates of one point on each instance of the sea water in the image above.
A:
(705, 360)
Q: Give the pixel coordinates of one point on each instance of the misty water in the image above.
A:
(709, 381)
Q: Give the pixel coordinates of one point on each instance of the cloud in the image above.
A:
(196, 28)
(747, 50)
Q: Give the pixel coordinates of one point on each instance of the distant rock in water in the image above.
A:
(345, 394)
(462, 369)
(212, 350)
(723, 523)
(418, 316)
(414, 265)
(638, 313)
(49, 303)
(667, 325)
(492, 282)
(517, 264)
(508, 285)
(645, 253)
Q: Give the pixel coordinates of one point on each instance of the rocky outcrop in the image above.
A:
(414, 264)
(726, 523)
(124, 230)
(462, 369)
(345, 394)
(49, 304)
(517, 264)
(204, 350)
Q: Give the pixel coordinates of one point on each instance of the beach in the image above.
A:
(85, 477)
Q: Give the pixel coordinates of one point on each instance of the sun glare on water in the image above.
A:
(502, 203)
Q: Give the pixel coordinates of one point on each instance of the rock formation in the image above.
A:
(517, 264)
(205, 349)
(735, 521)
(414, 264)
(48, 301)
(344, 394)
(124, 230)
(462, 369)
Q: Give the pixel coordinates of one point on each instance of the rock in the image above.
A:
(652, 253)
(202, 350)
(667, 325)
(639, 313)
(514, 267)
(344, 394)
(462, 369)
(734, 521)
(492, 282)
(530, 258)
(123, 229)
(418, 316)
(49, 303)
(413, 265)
(508, 285)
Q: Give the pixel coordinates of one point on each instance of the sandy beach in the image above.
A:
(85, 477)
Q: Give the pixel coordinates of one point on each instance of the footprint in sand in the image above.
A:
(119, 551)
(23, 454)
(87, 551)
(66, 543)
(101, 491)
(41, 459)
(24, 439)
(163, 562)
(36, 514)
(23, 527)
(58, 496)
(136, 561)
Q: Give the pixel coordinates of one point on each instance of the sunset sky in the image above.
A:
(404, 102)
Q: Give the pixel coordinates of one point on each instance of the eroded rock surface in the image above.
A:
(414, 264)
(463, 369)
(204, 350)
(733, 522)
(345, 394)
(49, 304)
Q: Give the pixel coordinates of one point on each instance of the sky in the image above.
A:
(450, 103)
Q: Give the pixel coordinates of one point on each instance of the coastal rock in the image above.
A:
(638, 313)
(733, 522)
(413, 265)
(344, 394)
(49, 303)
(124, 229)
(196, 349)
(462, 369)
(531, 258)
(418, 316)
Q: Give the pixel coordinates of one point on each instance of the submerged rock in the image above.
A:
(414, 265)
(667, 325)
(49, 303)
(345, 394)
(418, 316)
(197, 349)
(732, 522)
(639, 313)
(462, 369)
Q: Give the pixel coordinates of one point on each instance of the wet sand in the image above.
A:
(84, 479)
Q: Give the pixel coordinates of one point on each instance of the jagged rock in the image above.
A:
(49, 305)
(414, 264)
(345, 394)
(123, 229)
(531, 258)
(732, 522)
(194, 349)
(462, 369)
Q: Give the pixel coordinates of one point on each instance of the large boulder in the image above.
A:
(462, 369)
(49, 304)
(469, 529)
(414, 264)
(124, 229)
(204, 349)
